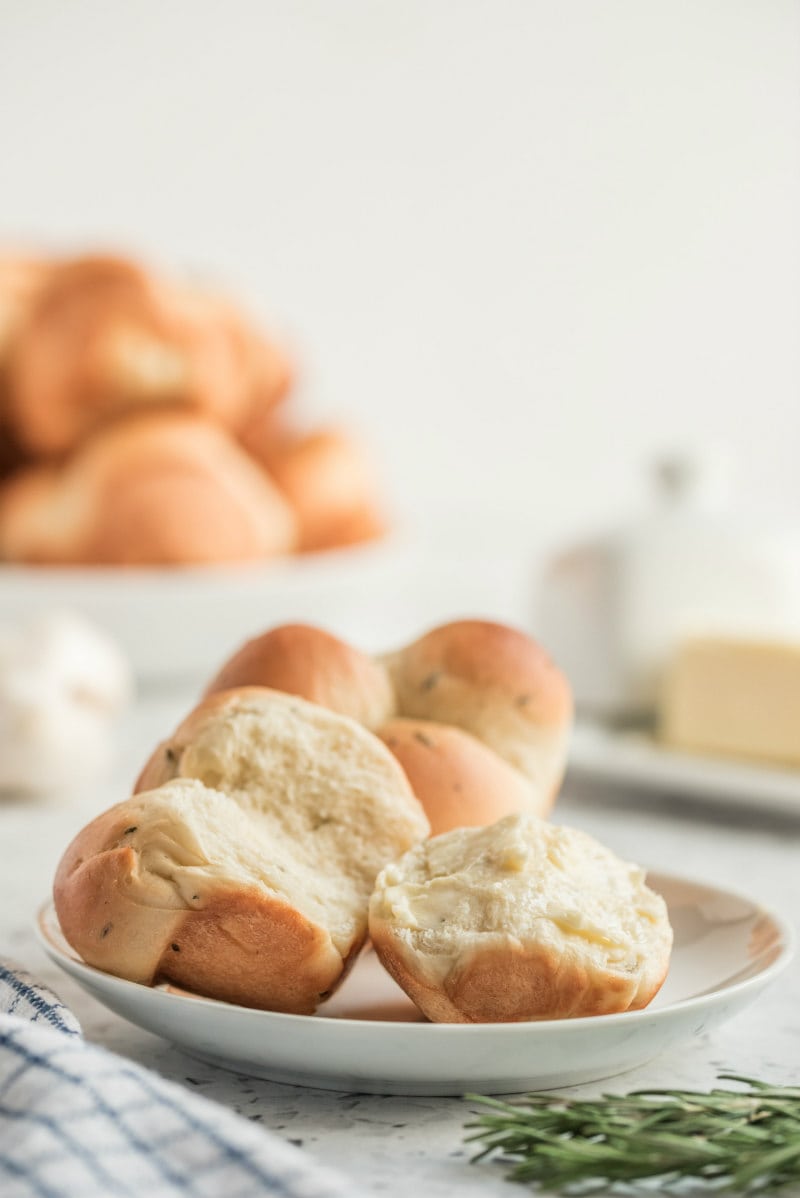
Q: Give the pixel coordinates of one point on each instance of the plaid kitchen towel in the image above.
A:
(79, 1122)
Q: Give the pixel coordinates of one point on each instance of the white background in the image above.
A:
(521, 244)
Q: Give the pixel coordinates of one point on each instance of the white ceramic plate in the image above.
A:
(370, 1038)
(634, 759)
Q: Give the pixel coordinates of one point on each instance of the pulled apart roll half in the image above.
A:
(245, 874)
(522, 920)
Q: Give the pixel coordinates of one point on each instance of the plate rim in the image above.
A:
(786, 949)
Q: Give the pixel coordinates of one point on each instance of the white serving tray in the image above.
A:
(600, 753)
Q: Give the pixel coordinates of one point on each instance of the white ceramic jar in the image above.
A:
(612, 610)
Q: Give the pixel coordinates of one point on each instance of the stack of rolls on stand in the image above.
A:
(244, 866)
(99, 355)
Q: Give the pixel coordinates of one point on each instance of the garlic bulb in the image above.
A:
(62, 683)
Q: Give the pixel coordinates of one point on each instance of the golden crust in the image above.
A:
(328, 479)
(97, 916)
(241, 946)
(459, 781)
(515, 983)
(155, 489)
(487, 661)
(103, 337)
(496, 683)
(306, 661)
(248, 949)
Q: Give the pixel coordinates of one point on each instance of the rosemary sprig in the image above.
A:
(742, 1142)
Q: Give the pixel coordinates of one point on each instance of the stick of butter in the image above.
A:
(734, 697)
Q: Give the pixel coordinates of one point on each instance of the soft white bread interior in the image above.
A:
(522, 920)
(245, 872)
(475, 712)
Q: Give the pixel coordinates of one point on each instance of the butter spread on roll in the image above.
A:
(521, 920)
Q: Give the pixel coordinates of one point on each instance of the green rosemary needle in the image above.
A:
(737, 1141)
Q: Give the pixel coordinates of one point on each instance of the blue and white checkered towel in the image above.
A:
(79, 1122)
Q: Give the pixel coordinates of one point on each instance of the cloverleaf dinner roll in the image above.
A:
(244, 868)
(522, 920)
(475, 712)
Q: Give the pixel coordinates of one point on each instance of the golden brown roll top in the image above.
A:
(494, 682)
(306, 661)
(103, 337)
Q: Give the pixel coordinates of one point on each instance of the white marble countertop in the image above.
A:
(396, 1145)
